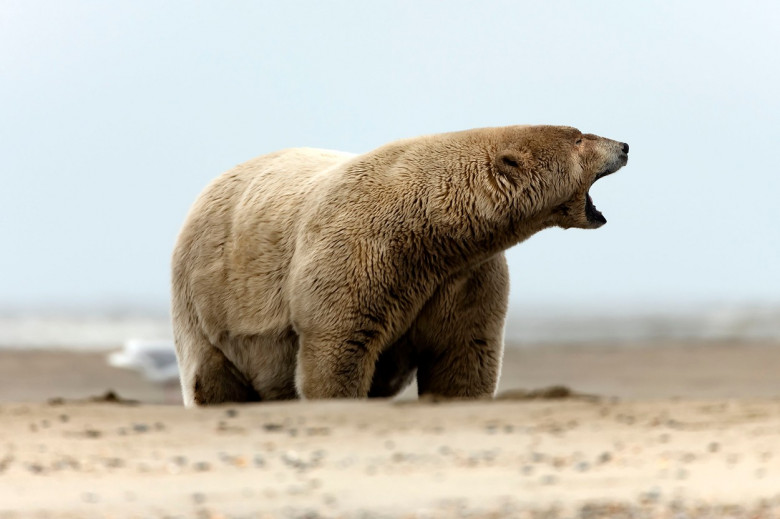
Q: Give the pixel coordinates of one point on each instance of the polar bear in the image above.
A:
(320, 274)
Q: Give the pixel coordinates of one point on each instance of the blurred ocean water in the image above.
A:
(96, 332)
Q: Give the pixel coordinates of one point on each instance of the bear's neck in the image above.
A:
(473, 240)
(450, 221)
(464, 224)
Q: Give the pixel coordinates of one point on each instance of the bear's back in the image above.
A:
(238, 234)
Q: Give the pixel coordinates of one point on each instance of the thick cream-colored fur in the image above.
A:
(320, 274)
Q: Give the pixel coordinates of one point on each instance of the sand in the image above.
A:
(668, 430)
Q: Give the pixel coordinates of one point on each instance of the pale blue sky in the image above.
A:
(114, 115)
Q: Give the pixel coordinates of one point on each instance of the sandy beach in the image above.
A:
(666, 429)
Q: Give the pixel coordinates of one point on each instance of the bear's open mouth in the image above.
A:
(593, 215)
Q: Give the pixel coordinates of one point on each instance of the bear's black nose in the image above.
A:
(625, 148)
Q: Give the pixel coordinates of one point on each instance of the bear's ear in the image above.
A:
(511, 163)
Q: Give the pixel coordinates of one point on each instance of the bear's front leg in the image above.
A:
(336, 367)
(460, 333)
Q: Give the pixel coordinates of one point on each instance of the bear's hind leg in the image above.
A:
(395, 369)
(218, 381)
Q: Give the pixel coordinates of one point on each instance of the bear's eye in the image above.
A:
(578, 141)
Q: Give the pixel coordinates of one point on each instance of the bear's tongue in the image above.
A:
(593, 215)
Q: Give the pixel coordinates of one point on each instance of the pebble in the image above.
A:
(317, 431)
(548, 479)
(198, 498)
(35, 468)
(140, 427)
(651, 496)
(293, 459)
(318, 455)
(605, 457)
(231, 413)
(90, 497)
(202, 466)
(114, 463)
(583, 466)
(713, 447)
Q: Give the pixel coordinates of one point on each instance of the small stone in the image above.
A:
(293, 459)
(90, 497)
(317, 456)
(35, 468)
(713, 447)
(231, 413)
(115, 463)
(140, 427)
(651, 496)
(198, 498)
(202, 466)
(549, 479)
(605, 457)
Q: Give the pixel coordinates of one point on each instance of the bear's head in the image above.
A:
(555, 167)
